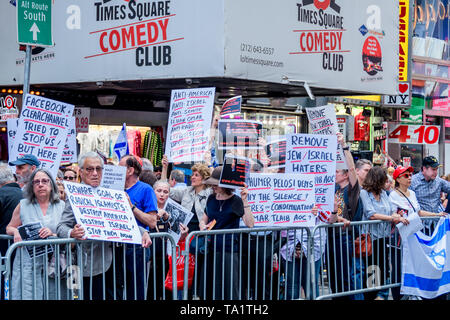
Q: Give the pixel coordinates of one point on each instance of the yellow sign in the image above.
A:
(403, 40)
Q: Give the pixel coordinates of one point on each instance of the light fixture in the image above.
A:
(106, 99)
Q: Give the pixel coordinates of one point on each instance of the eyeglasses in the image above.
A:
(69, 178)
(91, 169)
(44, 181)
(406, 175)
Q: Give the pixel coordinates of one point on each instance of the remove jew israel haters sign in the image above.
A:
(314, 155)
(281, 199)
(105, 214)
(42, 131)
(322, 120)
(189, 124)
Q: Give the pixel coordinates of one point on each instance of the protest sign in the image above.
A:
(239, 134)
(314, 154)
(105, 214)
(177, 214)
(189, 124)
(113, 177)
(231, 106)
(234, 171)
(276, 151)
(322, 120)
(30, 231)
(42, 131)
(70, 154)
(281, 199)
(12, 131)
(8, 108)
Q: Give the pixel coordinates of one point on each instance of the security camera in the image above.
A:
(99, 84)
(189, 81)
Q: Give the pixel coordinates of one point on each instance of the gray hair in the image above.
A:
(147, 164)
(177, 175)
(361, 162)
(90, 154)
(159, 183)
(29, 192)
(6, 175)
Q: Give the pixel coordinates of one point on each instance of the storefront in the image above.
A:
(430, 104)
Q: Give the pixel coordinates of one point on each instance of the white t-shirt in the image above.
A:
(400, 201)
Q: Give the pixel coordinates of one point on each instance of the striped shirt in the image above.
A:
(428, 193)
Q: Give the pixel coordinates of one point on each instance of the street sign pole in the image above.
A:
(26, 77)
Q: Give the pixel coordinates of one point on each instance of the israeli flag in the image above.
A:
(121, 146)
(425, 267)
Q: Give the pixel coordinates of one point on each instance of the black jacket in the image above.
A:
(10, 196)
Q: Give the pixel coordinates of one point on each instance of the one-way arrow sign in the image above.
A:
(34, 28)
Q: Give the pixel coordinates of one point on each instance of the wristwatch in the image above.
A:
(133, 207)
(346, 148)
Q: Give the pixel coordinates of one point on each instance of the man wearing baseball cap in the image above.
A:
(25, 166)
(428, 186)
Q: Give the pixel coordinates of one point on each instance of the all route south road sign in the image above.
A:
(34, 22)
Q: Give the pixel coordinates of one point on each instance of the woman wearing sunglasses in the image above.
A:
(41, 204)
(405, 202)
(70, 175)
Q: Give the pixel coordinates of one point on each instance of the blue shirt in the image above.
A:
(428, 193)
(144, 198)
(372, 206)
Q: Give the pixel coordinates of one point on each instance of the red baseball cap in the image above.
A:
(400, 170)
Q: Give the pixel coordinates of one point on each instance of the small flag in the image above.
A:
(231, 106)
(121, 146)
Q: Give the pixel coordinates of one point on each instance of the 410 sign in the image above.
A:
(414, 134)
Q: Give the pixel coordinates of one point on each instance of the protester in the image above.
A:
(143, 205)
(176, 179)
(97, 254)
(25, 166)
(224, 209)
(41, 204)
(428, 186)
(377, 206)
(61, 190)
(148, 177)
(343, 269)
(147, 164)
(70, 175)
(362, 167)
(405, 202)
(10, 196)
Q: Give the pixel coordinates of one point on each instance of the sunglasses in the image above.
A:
(406, 175)
(69, 178)
(44, 181)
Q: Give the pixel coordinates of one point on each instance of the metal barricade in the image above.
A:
(249, 264)
(70, 269)
(347, 273)
(5, 242)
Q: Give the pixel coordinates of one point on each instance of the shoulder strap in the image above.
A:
(407, 199)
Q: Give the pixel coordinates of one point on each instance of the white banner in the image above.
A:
(42, 131)
(105, 214)
(189, 124)
(281, 199)
(315, 155)
(70, 154)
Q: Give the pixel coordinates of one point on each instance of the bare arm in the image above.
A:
(248, 217)
(15, 222)
(165, 165)
(349, 160)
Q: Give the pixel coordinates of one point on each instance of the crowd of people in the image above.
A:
(251, 265)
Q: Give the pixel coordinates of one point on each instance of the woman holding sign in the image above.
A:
(41, 205)
(224, 210)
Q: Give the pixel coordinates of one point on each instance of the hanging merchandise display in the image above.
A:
(362, 128)
(153, 147)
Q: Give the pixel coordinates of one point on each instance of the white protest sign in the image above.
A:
(189, 124)
(322, 120)
(42, 131)
(113, 177)
(12, 130)
(82, 116)
(105, 214)
(314, 154)
(281, 199)
(70, 149)
(177, 214)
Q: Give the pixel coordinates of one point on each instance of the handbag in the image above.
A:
(180, 262)
(363, 246)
